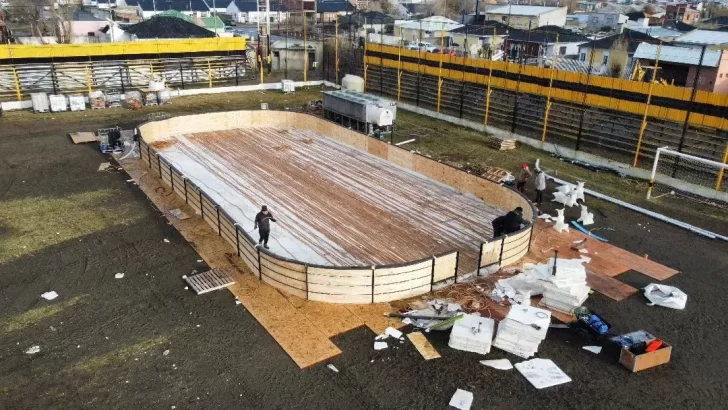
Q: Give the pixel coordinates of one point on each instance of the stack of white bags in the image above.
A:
(522, 331)
(565, 287)
(472, 334)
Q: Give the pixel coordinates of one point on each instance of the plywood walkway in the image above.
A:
(302, 328)
(607, 261)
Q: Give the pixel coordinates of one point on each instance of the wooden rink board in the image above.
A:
(302, 328)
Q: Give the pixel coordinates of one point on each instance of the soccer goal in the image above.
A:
(677, 174)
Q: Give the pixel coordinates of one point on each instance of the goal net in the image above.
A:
(677, 175)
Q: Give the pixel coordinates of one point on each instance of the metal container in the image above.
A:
(288, 86)
(361, 107)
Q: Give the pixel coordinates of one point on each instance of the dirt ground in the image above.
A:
(67, 227)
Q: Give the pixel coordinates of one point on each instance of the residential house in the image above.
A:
(599, 21)
(480, 39)
(588, 5)
(246, 11)
(577, 21)
(613, 53)
(327, 10)
(681, 65)
(521, 45)
(430, 27)
(298, 7)
(681, 12)
(525, 17)
(149, 8)
(290, 55)
(366, 21)
(661, 33)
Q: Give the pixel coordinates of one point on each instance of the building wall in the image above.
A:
(706, 80)
(570, 49)
(82, 28)
(598, 20)
(721, 82)
(553, 18)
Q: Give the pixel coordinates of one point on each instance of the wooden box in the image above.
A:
(639, 362)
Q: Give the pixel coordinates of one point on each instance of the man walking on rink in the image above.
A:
(262, 222)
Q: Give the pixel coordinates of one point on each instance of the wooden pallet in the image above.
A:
(500, 144)
(495, 174)
(208, 281)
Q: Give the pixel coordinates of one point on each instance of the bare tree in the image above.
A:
(30, 12)
(617, 57)
(453, 9)
(386, 6)
(61, 23)
(649, 9)
(571, 5)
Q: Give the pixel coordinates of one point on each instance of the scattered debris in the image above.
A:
(119, 275)
(582, 250)
(179, 214)
(406, 142)
(586, 218)
(542, 373)
(559, 224)
(461, 400)
(667, 296)
(166, 240)
(558, 326)
(423, 345)
(200, 261)
(237, 301)
(332, 367)
(380, 345)
(49, 295)
(522, 330)
(500, 364)
(166, 352)
(104, 166)
(33, 350)
(593, 349)
(472, 334)
(390, 331)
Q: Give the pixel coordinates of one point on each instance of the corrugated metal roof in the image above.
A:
(522, 10)
(657, 32)
(679, 55)
(704, 37)
(431, 24)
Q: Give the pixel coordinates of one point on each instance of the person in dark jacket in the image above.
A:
(508, 223)
(262, 222)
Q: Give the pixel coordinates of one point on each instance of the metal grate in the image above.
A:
(208, 281)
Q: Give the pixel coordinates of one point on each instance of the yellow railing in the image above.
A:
(15, 51)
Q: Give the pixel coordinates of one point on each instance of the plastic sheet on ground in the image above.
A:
(667, 296)
(49, 295)
(500, 364)
(461, 400)
(542, 373)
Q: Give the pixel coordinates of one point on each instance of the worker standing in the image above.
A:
(270, 63)
(262, 222)
(523, 177)
(540, 186)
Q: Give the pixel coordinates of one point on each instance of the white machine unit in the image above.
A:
(288, 86)
(59, 103)
(366, 113)
(40, 102)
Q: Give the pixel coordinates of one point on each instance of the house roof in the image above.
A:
(678, 55)
(431, 24)
(245, 6)
(371, 17)
(547, 34)
(333, 6)
(206, 22)
(679, 26)
(168, 27)
(179, 5)
(657, 31)
(633, 39)
(522, 10)
(704, 37)
(82, 15)
(720, 20)
(486, 29)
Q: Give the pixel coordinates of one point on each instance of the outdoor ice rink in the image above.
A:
(334, 204)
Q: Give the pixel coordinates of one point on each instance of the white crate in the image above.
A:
(59, 103)
(40, 102)
(77, 102)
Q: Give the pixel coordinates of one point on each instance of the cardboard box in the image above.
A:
(639, 362)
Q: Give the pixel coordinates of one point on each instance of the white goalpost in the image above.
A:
(679, 174)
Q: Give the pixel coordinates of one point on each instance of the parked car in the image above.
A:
(428, 47)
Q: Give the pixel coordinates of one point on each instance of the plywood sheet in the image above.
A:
(609, 287)
(83, 137)
(639, 263)
(378, 148)
(423, 346)
(445, 266)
